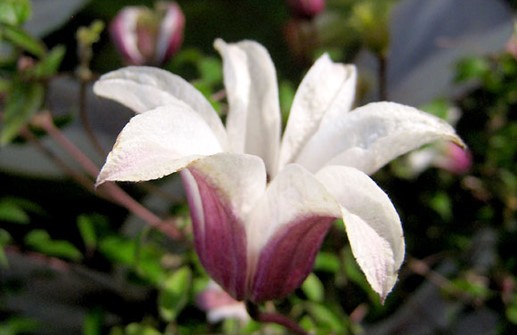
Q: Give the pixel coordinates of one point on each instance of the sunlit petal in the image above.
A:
(372, 224)
(157, 143)
(144, 88)
(371, 136)
(326, 92)
(253, 123)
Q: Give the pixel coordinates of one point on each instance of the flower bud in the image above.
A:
(145, 36)
(306, 9)
(455, 159)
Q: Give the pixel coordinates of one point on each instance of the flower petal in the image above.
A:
(221, 189)
(123, 33)
(254, 120)
(285, 231)
(157, 143)
(372, 224)
(144, 88)
(371, 136)
(326, 92)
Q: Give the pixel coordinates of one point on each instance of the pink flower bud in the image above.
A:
(145, 36)
(306, 9)
(455, 159)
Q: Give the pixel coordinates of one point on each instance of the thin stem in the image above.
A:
(85, 120)
(257, 315)
(77, 177)
(111, 190)
(383, 80)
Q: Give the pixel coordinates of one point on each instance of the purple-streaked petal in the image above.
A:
(221, 191)
(158, 143)
(171, 32)
(123, 34)
(253, 122)
(144, 88)
(326, 92)
(371, 222)
(285, 231)
(371, 136)
(288, 258)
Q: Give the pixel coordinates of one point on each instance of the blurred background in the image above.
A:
(75, 260)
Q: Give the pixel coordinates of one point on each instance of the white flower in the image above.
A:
(261, 204)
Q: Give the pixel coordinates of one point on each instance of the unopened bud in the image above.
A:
(306, 9)
(145, 36)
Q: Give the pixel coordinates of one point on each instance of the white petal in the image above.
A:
(326, 92)
(372, 224)
(371, 136)
(292, 195)
(240, 178)
(144, 88)
(253, 123)
(157, 143)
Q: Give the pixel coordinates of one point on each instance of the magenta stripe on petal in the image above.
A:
(220, 239)
(288, 258)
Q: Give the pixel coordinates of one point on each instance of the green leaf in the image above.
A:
(5, 238)
(511, 311)
(14, 12)
(49, 65)
(438, 107)
(40, 241)
(93, 322)
(441, 204)
(22, 103)
(210, 70)
(472, 68)
(313, 288)
(18, 325)
(21, 39)
(140, 329)
(87, 230)
(12, 212)
(323, 316)
(118, 249)
(328, 262)
(174, 294)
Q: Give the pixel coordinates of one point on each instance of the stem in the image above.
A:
(78, 178)
(383, 80)
(109, 189)
(257, 315)
(85, 120)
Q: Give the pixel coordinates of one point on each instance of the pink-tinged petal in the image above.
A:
(158, 143)
(144, 88)
(219, 305)
(221, 191)
(371, 222)
(326, 92)
(254, 120)
(170, 37)
(285, 231)
(371, 136)
(123, 34)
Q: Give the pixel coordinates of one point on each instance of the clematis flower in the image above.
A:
(144, 36)
(260, 204)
